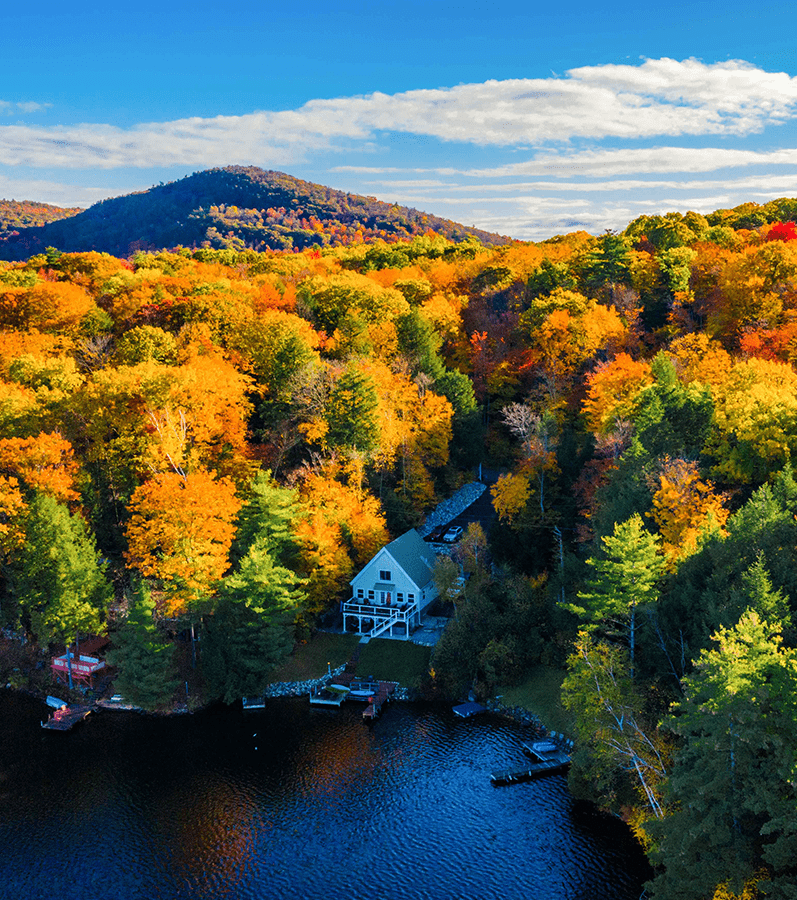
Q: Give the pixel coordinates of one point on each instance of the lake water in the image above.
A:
(294, 802)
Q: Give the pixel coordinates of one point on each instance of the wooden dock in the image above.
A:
(377, 701)
(67, 717)
(531, 770)
(548, 757)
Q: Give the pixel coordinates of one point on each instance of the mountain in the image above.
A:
(18, 214)
(238, 207)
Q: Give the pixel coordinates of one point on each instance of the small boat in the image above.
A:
(363, 688)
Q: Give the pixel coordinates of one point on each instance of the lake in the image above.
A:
(293, 801)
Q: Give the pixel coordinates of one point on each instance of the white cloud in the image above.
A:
(655, 98)
(57, 193)
(25, 106)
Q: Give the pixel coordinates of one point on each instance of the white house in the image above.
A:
(392, 590)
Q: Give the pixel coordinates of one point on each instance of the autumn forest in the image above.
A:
(200, 447)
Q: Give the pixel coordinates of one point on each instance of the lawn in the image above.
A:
(540, 693)
(399, 661)
(310, 660)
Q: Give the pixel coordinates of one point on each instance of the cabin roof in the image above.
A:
(411, 554)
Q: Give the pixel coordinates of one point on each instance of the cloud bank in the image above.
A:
(657, 98)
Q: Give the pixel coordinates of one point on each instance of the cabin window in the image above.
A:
(384, 574)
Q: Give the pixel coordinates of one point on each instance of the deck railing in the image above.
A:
(384, 616)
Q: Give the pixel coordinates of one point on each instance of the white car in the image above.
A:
(454, 533)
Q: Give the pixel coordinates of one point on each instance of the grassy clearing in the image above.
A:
(310, 659)
(398, 661)
(541, 693)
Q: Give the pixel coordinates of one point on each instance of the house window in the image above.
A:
(400, 597)
(384, 574)
(360, 592)
(411, 597)
(370, 595)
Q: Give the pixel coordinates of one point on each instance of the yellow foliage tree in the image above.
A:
(698, 358)
(510, 495)
(755, 411)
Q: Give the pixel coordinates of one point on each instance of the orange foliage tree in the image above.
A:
(180, 532)
(48, 306)
(612, 389)
(684, 508)
(43, 463)
(343, 530)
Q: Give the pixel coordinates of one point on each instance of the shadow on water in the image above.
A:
(293, 801)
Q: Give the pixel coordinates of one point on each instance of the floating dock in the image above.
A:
(328, 695)
(547, 758)
(67, 717)
(254, 702)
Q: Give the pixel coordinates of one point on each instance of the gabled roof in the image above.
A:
(412, 554)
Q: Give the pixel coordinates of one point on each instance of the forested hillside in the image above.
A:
(16, 215)
(215, 441)
(237, 208)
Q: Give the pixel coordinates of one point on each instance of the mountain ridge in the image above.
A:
(242, 207)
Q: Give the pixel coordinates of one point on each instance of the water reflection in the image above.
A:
(292, 801)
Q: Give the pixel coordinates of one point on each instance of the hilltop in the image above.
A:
(19, 214)
(234, 207)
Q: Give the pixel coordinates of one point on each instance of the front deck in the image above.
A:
(83, 668)
(382, 618)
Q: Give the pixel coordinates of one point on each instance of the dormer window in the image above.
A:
(384, 574)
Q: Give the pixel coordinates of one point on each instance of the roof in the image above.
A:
(413, 555)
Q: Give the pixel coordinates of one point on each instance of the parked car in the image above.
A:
(436, 534)
(454, 533)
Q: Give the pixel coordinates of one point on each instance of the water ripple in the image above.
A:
(288, 802)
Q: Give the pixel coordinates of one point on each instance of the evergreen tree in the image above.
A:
(56, 575)
(252, 628)
(731, 794)
(351, 412)
(270, 513)
(145, 659)
(623, 578)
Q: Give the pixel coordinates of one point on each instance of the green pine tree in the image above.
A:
(731, 795)
(625, 577)
(145, 659)
(251, 630)
(56, 577)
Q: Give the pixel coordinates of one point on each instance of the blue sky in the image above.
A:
(522, 118)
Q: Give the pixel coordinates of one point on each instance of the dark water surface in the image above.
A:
(314, 805)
